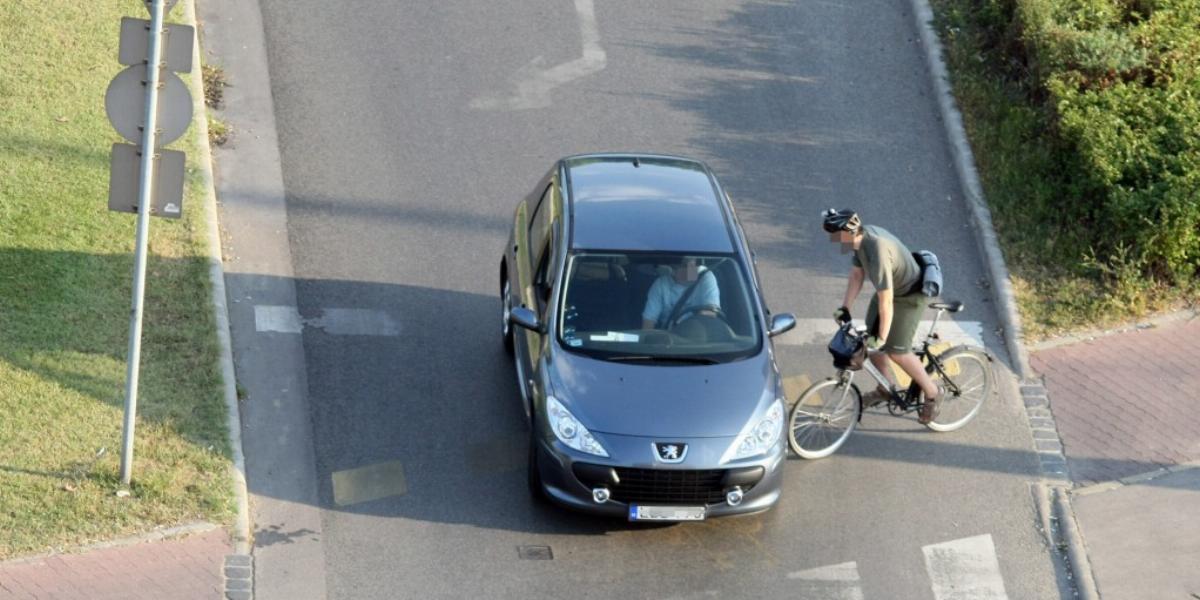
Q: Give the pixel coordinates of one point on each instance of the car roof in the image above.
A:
(645, 202)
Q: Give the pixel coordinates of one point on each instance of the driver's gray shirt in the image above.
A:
(665, 292)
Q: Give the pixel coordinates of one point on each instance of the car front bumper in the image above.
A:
(569, 477)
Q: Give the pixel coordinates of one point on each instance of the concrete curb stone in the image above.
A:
(1052, 461)
(241, 530)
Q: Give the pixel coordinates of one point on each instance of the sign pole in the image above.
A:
(145, 195)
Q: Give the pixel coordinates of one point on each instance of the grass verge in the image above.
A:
(65, 280)
(1068, 275)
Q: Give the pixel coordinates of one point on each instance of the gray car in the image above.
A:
(641, 343)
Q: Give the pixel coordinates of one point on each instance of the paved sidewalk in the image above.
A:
(184, 568)
(1125, 406)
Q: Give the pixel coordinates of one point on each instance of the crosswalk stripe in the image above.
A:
(965, 569)
(833, 582)
(818, 331)
(334, 321)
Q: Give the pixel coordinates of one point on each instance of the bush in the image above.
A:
(1088, 137)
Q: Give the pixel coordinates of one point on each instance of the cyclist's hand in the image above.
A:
(841, 315)
(873, 343)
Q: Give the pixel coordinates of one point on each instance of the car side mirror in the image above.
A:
(781, 323)
(524, 317)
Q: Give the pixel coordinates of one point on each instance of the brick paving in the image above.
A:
(186, 568)
(1126, 403)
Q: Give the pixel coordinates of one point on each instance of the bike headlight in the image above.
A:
(569, 431)
(762, 436)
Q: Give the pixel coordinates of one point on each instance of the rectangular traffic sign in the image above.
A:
(176, 45)
(123, 189)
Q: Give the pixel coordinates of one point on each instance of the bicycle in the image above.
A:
(829, 410)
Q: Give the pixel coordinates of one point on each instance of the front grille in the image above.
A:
(669, 486)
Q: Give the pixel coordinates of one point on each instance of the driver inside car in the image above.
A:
(689, 289)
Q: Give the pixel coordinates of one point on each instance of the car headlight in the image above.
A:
(763, 435)
(569, 431)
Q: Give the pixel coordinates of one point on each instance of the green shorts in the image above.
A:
(906, 316)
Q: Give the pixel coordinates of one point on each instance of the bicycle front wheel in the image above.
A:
(823, 418)
(967, 376)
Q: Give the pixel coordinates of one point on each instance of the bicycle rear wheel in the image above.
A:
(968, 381)
(823, 418)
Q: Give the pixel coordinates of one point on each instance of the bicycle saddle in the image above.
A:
(952, 306)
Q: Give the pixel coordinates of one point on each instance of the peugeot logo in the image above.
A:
(670, 452)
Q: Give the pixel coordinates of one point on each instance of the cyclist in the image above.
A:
(896, 307)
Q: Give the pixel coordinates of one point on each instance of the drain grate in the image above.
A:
(535, 553)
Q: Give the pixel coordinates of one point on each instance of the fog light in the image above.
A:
(600, 495)
(734, 496)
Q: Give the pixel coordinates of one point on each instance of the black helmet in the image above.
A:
(841, 220)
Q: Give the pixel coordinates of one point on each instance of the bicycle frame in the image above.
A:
(904, 400)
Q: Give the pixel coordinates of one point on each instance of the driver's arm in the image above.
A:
(654, 306)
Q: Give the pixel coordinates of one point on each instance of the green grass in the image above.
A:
(1061, 284)
(65, 277)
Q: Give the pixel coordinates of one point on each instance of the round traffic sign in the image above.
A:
(125, 103)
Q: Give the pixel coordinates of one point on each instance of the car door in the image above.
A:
(533, 259)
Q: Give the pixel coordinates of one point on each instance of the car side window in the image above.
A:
(537, 221)
(543, 277)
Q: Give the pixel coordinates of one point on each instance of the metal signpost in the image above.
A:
(148, 105)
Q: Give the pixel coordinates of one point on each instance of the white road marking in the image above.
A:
(835, 582)
(334, 321)
(281, 319)
(354, 321)
(533, 83)
(818, 331)
(965, 569)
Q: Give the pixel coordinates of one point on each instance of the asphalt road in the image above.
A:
(406, 133)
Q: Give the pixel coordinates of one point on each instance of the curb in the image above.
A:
(158, 535)
(1081, 568)
(1108, 486)
(1087, 336)
(1049, 446)
(216, 274)
(981, 217)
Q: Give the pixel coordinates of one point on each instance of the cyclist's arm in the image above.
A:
(853, 285)
(885, 312)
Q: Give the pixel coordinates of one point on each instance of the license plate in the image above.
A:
(666, 513)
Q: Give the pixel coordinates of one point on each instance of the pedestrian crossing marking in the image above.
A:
(834, 582)
(965, 569)
(819, 331)
(962, 569)
(334, 321)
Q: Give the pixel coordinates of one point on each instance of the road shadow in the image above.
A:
(440, 398)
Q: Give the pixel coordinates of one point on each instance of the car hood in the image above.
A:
(663, 401)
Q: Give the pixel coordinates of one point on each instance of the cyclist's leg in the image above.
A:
(906, 317)
(879, 359)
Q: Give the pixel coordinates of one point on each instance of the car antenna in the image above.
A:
(636, 164)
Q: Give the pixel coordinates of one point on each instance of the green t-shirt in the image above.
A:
(888, 263)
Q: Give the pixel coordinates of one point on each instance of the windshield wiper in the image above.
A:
(692, 360)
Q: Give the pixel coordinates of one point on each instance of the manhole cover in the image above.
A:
(535, 553)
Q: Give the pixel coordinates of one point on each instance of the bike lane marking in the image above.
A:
(834, 582)
(965, 569)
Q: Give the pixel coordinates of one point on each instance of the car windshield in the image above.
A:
(658, 307)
